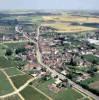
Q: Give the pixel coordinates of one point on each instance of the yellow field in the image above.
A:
(71, 19)
(69, 28)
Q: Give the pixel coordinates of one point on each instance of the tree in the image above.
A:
(94, 62)
(20, 50)
(30, 83)
(8, 52)
(72, 62)
(31, 43)
(92, 70)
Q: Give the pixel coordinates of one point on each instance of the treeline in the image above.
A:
(9, 22)
(90, 89)
(28, 14)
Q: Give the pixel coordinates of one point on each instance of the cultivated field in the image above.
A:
(94, 85)
(7, 29)
(70, 23)
(6, 63)
(2, 50)
(13, 71)
(79, 19)
(31, 94)
(5, 86)
(20, 80)
(62, 28)
(66, 94)
(91, 80)
(15, 45)
(14, 97)
(91, 58)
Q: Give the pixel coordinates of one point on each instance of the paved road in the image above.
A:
(76, 86)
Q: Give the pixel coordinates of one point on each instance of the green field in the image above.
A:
(24, 19)
(15, 45)
(92, 84)
(13, 71)
(2, 50)
(31, 94)
(12, 46)
(90, 80)
(6, 62)
(5, 86)
(10, 61)
(14, 97)
(37, 19)
(67, 94)
(91, 58)
(7, 29)
(20, 80)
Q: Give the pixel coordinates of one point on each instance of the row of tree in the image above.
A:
(9, 51)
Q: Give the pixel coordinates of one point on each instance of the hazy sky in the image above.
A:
(50, 4)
